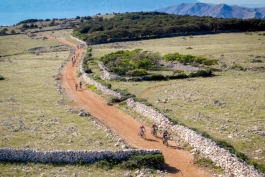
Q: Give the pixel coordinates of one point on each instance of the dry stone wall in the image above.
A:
(98, 85)
(207, 148)
(105, 75)
(91, 81)
(31, 155)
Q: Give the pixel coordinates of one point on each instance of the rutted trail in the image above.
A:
(179, 162)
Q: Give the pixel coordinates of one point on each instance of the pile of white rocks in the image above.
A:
(31, 155)
(207, 148)
(106, 75)
(150, 112)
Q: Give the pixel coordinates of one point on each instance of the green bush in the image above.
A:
(135, 79)
(92, 87)
(137, 72)
(178, 76)
(157, 77)
(155, 161)
(189, 59)
(132, 63)
(107, 163)
(88, 70)
(202, 73)
(125, 94)
(175, 122)
(143, 100)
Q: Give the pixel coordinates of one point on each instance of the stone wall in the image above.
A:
(91, 81)
(203, 146)
(71, 156)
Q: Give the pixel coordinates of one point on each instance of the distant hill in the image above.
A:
(219, 11)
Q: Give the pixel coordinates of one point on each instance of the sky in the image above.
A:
(14, 11)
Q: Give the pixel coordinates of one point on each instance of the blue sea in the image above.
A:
(14, 11)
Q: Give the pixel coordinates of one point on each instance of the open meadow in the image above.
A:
(35, 115)
(229, 106)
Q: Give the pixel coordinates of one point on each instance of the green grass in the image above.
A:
(203, 162)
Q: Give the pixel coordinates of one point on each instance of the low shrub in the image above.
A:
(202, 73)
(107, 163)
(137, 72)
(155, 161)
(204, 162)
(178, 76)
(238, 67)
(143, 100)
(175, 122)
(2, 77)
(92, 87)
(135, 79)
(155, 77)
(88, 70)
(256, 61)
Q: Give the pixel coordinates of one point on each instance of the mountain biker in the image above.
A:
(154, 128)
(165, 135)
(142, 129)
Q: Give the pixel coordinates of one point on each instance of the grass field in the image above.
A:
(229, 106)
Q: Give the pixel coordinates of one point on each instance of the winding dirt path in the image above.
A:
(178, 162)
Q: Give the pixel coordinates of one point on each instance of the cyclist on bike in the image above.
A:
(165, 135)
(154, 128)
(142, 129)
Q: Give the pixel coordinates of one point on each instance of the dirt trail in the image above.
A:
(178, 162)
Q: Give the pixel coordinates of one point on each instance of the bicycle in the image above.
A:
(142, 135)
(165, 140)
(154, 132)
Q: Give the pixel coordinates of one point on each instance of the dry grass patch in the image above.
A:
(20, 44)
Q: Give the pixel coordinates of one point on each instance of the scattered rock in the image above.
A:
(128, 174)
(83, 113)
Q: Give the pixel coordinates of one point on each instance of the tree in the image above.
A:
(13, 32)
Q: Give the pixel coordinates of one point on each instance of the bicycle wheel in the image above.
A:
(139, 134)
(143, 136)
